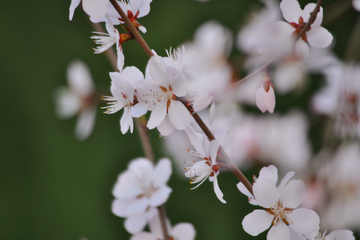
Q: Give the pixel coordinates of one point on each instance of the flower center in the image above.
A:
(298, 27)
(280, 212)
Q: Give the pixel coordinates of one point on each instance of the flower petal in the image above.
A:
(246, 192)
(126, 121)
(304, 220)
(343, 234)
(293, 194)
(132, 75)
(183, 231)
(265, 192)
(143, 236)
(160, 196)
(135, 224)
(157, 115)
(74, 4)
(319, 37)
(256, 222)
(166, 127)
(217, 190)
(270, 173)
(162, 172)
(95, 8)
(278, 232)
(179, 116)
(309, 8)
(291, 10)
(85, 123)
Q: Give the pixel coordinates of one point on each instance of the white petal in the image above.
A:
(356, 5)
(265, 192)
(246, 192)
(270, 173)
(157, 115)
(178, 85)
(319, 37)
(126, 121)
(166, 127)
(256, 222)
(160, 196)
(120, 59)
(304, 220)
(309, 8)
(343, 234)
(183, 231)
(293, 194)
(137, 206)
(278, 232)
(132, 75)
(95, 8)
(260, 99)
(135, 224)
(79, 78)
(212, 112)
(291, 10)
(162, 172)
(74, 4)
(301, 50)
(179, 116)
(202, 101)
(270, 100)
(217, 190)
(285, 180)
(158, 71)
(138, 111)
(213, 150)
(119, 207)
(143, 236)
(85, 123)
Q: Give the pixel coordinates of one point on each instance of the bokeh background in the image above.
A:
(55, 187)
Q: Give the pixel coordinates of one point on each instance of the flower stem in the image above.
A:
(312, 18)
(132, 29)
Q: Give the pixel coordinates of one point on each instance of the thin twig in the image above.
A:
(132, 29)
(311, 20)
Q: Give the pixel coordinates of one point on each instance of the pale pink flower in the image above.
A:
(208, 167)
(181, 231)
(158, 93)
(281, 208)
(124, 96)
(139, 190)
(265, 97)
(342, 234)
(78, 99)
(316, 36)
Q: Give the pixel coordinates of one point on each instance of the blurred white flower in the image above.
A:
(356, 5)
(124, 96)
(281, 209)
(181, 231)
(78, 99)
(139, 190)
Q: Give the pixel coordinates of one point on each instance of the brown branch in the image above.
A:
(132, 29)
(312, 18)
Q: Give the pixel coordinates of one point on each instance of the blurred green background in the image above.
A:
(55, 187)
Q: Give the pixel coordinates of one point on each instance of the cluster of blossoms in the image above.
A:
(198, 78)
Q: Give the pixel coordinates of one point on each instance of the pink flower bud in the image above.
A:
(265, 97)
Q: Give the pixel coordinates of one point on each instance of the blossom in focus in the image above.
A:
(208, 167)
(281, 210)
(134, 10)
(124, 96)
(265, 96)
(316, 35)
(139, 190)
(158, 93)
(181, 231)
(94, 8)
(78, 99)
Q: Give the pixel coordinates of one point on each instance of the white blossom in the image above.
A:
(139, 190)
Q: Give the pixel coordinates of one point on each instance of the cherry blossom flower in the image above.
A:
(139, 190)
(181, 231)
(124, 96)
(78, 99)
(94, 8)
(265, 97)
(356, 5)
(342, 234)
(280, 208)
(136, 9)
(208, 167)
(108, 40)
(158, 93)
(316, 35)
